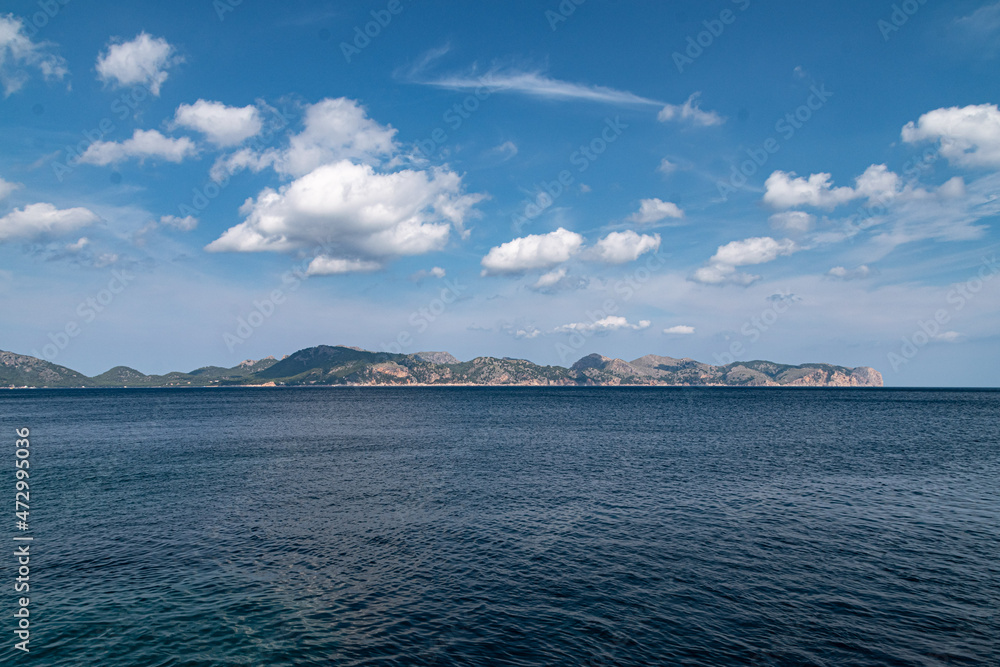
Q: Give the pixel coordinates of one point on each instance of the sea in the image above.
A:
(505, 526)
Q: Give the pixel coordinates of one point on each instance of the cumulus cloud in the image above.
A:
(752, 251)
(691, 112)
(223, 126)
(435, 272)
(877, 183)
(785, 190)
(550, 279)
(968, 136)
(722, 267)
(610, 323)
(143, 144)
(37, 221)
(679, 330)
(622, 247)
(7, 187)
(654, 210)
(334, 130)
(536, 251)
(18, 54)
(340, 200)
(142, 61)
(792, 222)
(354, 213)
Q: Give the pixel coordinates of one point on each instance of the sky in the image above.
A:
(198, 183)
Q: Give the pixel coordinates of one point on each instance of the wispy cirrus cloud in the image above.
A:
(530, 82)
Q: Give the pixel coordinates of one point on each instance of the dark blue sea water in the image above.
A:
(482, 526)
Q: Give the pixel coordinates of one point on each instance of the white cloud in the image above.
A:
(78, 245)
(142, 61)
(627, 246)
(843, 273)
(610, 323)
(223, 126)
(435, 272)
(334, 130)
(654, 210)
(666, 167)
(353, 212)
(329, 266)
(969, 136)
(953, 188)
(792, 222)
(105, 259)
(877, 183)
(752, 251)
(536, 84)
(245, 158)
(690, 111)
(722, 274)
(550, 279)
(679, 330)
(527, 333)
(185, 224)
(505, 151)
(785, 190)
(948, 336)
(143, 144)
(721, 268)
(537, 251)
(43, 220)
(7, 187)
(18, 53)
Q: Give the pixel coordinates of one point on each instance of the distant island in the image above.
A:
(339, 365)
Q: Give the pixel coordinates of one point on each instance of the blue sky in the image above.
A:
(201, 183)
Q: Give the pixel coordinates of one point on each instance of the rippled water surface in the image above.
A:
(482, 526)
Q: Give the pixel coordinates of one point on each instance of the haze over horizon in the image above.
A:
(205, 182)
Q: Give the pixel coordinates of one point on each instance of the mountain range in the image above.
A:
(340, 365)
